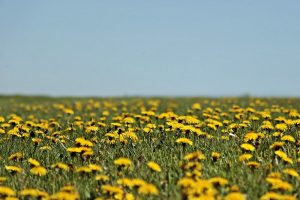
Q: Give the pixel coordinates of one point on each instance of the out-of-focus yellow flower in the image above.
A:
(218, 181)
(30, 192)
(277, 196)
(39, 171)
(196, 106)
(253, 164)
(248, 147)
(250, 137)
(281, 127)
(16, 156)
(276, 145)
(129, 120)
(60, 165)
(279, 184)
(101, 177)
(184, 141)
(245, 156)
(34, 162)
(111, 190)
(68, 111)
(195, 156)
(6, 191)
(2, 179)
(215, 155)
(13, 169)
(83, 142)
(284, 156)
(123, 162)
(291, 172)
(148, 189)
(154, 166)
(235, 196)
(288, 138)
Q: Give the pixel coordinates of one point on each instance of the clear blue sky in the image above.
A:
(161, 47)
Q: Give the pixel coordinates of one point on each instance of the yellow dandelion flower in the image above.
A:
(128, 135)
(36, 140)
(274, 175)
(29, 192)
(279, 184)
(287, 160)
(125, 196)
(74, 150)
(277, 134)
(253, 164)
(111, 190)
(125, 182)
(276, 196)
(11, 198)
(281, 127)
(123, 162)
(138, 182)
(276, 145)
(202, 185)
(34, 162)
(284, 156)
(235, 196)
(215, 155)
(2, 119)
(68, 111)
(60, 165)
(83, 142)
(234, 188)
(291, 172)
(129, 196)
(45, 148)
(184, 141)
(245, 156)
(2, 179)
(116, 125)
(186, 182)
(65, 196)
(6, 191)
(95, 168)
(148, 189)
(39, 171)
(154, 166)
(147, 130)
(196, 106)
(250, 136)
(112, 136)
(281, 154)
(194, 156)
(91, 129)
(218, 181)
(16, 156)
(88, 153)
(248, 147)
(128, 120)
(195, 174)
(84, 169)
(69, 189)
(13, 169)
(101, 177)
(288, 138)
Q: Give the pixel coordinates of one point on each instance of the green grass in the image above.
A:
(159, 146)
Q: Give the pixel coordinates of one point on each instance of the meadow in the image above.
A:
(149, 148)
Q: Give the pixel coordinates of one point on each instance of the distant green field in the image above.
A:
(149, 148)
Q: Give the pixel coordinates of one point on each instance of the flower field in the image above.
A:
(149, 148)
